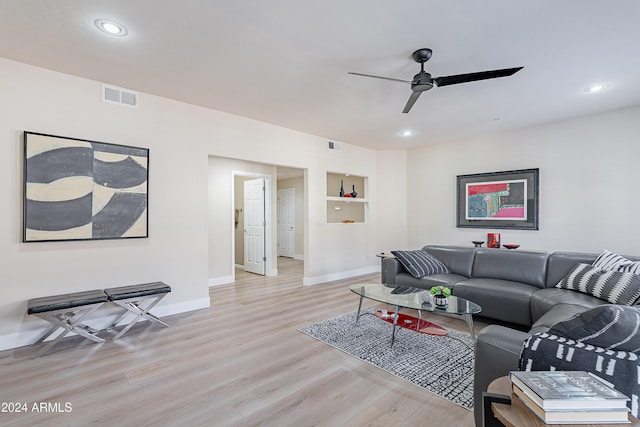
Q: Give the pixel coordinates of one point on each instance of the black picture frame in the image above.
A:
(78, 189)
(482, 201)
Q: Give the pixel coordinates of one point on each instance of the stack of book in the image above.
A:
(570, 397)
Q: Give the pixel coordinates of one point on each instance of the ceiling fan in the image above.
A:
(423, 81)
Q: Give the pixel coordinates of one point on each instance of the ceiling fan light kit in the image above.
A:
(423, 81)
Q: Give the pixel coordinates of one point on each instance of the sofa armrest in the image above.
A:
(390, 269)
(497, 353)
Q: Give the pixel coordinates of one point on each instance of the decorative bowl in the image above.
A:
(477, 243)
(511, 246)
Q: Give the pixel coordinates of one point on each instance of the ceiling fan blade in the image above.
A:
(412, 100)
(472, 77)
(379, 77)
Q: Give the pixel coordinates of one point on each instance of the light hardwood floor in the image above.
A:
(242, 362)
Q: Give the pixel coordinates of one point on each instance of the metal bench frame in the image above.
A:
(139, 307)
(70, 320)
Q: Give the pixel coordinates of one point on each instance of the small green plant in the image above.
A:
(440, 290)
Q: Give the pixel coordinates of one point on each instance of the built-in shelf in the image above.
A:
(343, 209)
(347, 199)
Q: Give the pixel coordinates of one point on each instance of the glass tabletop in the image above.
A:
(413, 298)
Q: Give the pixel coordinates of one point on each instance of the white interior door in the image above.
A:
(254, 226)
(286, 222)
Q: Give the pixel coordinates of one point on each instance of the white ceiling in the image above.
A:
(286, 61)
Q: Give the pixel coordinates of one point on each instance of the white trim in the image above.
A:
(299, 257)
(223, 280)
(24, 338)
(310, 281)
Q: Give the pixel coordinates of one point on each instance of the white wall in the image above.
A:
(589, 177)
(181, 138)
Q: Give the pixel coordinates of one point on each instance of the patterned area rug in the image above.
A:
(441, 365)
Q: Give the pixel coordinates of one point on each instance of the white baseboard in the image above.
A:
(217, 281)
(310, 281)
(28, 337)
(299, 257)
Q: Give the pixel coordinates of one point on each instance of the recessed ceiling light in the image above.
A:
(599, 87)
(111, 27)
(407, 133)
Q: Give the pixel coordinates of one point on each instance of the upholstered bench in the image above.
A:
(66, 312)
(137, 300)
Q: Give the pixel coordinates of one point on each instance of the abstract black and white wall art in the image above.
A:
(76, 189)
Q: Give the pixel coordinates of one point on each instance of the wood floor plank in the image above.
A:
(242, 362)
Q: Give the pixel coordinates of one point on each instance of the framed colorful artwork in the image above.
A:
(76, 189)
(507, 200)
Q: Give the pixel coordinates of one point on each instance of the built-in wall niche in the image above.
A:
(346, 208)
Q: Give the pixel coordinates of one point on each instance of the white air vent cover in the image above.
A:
(117, 95)
(334, 145)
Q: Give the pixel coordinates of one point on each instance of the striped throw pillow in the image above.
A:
(615, 287)
(633, 268)
(609, 261)
(613, 327)
(420, 263)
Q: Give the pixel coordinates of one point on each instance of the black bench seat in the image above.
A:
(65, 301)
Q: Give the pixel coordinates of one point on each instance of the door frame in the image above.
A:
(268, 219)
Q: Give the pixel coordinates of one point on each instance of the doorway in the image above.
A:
(286, 222)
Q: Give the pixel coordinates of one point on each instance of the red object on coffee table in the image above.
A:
(413, 323)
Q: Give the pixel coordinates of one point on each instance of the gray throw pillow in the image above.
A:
(613, 286)
(613, 327)
(419, 263)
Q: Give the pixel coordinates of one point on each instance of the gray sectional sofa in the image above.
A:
(514, 287)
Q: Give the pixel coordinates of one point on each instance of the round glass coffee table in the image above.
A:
(405, 297)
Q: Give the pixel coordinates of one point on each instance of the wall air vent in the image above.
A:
(117, 95)
(334, 145)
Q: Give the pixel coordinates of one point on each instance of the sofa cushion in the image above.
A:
(458, 259)
(419, 263)
(560, 264)
(559, 313)
(500, 299)
(609, 261)
(614, 327)
(544, 300)
(613, 286)
(516, 266)
(427, 282)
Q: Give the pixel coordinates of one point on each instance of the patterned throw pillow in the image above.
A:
(633, 268)
(609, 261)
(613, 327)
(614, 286)
(419, 263)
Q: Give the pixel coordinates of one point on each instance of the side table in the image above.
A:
(518, 415)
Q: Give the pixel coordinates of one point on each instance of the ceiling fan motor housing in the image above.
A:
(421, 82)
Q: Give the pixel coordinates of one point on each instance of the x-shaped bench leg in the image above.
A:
(70, 321)
(139, 307)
